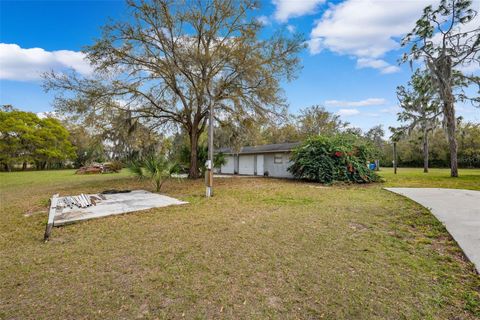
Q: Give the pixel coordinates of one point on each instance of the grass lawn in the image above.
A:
(437, 178)
(261, 248)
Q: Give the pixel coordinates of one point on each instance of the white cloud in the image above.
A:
(291, 28)
(50, 114)
(315, 45)
(391, 110)
(361, 103)
(347, 112)
(43, 115)
(379, 64)
(21, 64)
(469, 69)
(466, 108)
(286, 9)
(472, 67)
(264, 20)
(366, 29)
(390, 69)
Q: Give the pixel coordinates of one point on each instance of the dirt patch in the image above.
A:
(274, 302)
(357, 226)
(35, 211)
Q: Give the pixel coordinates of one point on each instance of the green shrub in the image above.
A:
(157, 169)
(342, 157)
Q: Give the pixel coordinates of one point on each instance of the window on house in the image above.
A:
(278, 159)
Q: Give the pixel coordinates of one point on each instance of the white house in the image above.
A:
(267, 160)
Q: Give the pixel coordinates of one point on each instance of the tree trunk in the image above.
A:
(425, 151)
(24, 166)
(443, 71)
(41, 165)
(193, 172)
(449, 112)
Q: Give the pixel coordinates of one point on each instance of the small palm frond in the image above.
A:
(151, 165)
(156, 169)
(135, 167)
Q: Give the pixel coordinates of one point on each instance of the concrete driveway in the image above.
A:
(458, 210)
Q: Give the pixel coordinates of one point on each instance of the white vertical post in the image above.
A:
(209, 174)
(51, 217)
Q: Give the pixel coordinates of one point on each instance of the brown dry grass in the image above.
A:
(261, 248)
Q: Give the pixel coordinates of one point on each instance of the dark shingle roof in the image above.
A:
(266, 148)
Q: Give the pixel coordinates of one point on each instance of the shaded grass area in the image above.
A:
(435, 178)
(261, 248)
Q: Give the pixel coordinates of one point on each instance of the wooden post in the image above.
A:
(425, 151)
(51, 216)
(395, 157)
(209, 173)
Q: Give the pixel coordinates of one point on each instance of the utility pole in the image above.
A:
(209, 175)
(395, 157)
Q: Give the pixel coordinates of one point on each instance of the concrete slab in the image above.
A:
(114, 204)
(458, 210)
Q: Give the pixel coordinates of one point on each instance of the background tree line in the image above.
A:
(160, 74)
(27, 140)
(411, 148)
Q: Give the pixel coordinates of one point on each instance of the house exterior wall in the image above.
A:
(229, 166)
(258, 164)
(278, 170)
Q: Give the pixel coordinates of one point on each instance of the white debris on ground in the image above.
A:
(111, 204)
(70, 209)
(81, 201)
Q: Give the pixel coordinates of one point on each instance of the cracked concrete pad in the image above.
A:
(114, 204)
(458, 210)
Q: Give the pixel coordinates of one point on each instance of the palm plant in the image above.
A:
(156, 169)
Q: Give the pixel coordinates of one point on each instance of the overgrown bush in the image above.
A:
(342, 157)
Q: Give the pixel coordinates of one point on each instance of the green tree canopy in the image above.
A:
(25, 138)
(316, 120)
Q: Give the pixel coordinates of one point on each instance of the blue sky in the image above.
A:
(350, 65)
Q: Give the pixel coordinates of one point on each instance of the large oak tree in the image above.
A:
(173, 60)
(446, 38)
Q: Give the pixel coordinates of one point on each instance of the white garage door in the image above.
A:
(229, 166)
(246, 164)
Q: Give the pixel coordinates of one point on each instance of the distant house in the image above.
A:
(267, 160)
